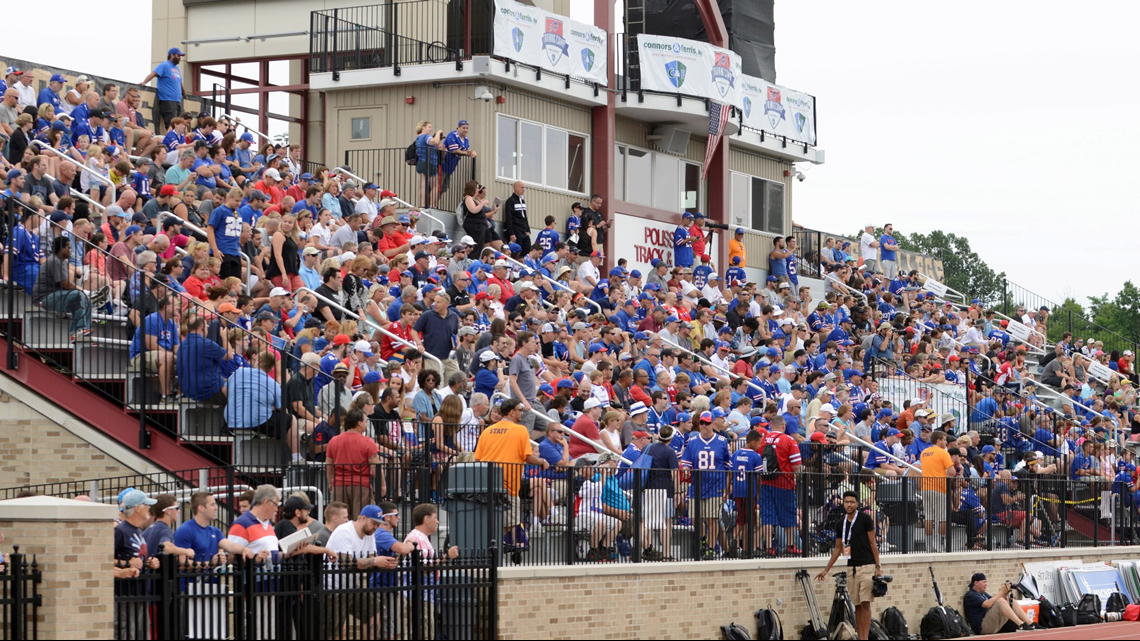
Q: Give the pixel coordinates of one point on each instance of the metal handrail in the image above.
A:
(371, 323)
(237, 121)
(75, 193)
(43, 145)
(557, 284)
(846, 287)
(596, 445)
(713, 365)
(948, 288)
(342, 170)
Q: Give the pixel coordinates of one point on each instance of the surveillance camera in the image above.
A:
(484, 94)
(800, 176)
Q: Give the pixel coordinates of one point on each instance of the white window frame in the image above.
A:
(748, 219)
(622, 148)
(503, 120)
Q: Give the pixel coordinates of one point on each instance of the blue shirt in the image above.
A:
(485, 382)
(227, 230)
(47, 95)
(249, 215)
(454, 143)
(791, 424)
(701, 275)
(735, 275)
(710, 456)
(875, 458)
(645, 365)
(211, 181)
(252, 397)
(309, 276)
(155, 325)
(547, 239)
(202, 539)
(682, 250)
(1080, 462)
(884, 253)
(171, 141)
(199, 367)
(169, 81)
(790, 262)
(744, 463)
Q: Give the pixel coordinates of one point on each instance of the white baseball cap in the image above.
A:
(591, 403)
(827, 407)
(488, 356)
(363, 346)
(273, 173)
(278, 291)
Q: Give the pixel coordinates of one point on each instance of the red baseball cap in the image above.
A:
(640, 434)
(387, 194)
(482, 296)
(341, 339)
(818, 437)
(168, 190)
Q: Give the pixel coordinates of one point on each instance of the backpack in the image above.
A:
(1048, 615)
(734, 631)
(1116, 602)
(1069, 615)
(808, 633)
(411, 156)
(644, 463)
(879, 633)
(1088, 610)
(768, 624)
(944, 622)
(769, 463)
(894, 623)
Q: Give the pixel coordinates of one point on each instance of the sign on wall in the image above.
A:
(944, 398)
(549, 41)
(777, 110)
(678, 65)
(640, 240)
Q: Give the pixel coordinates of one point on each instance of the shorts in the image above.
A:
(777, 506)
(862, 580)
(151, 361)
(589, 521)
(513, 516)
(709, 508)
(934, 505)
(364, 607)
(1012, 518)
(658, 509)
(231, 266)
(994, 621)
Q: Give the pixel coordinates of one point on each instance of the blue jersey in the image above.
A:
(171, 141)
(999, 335)
(682, 250)
(884, 253)
(735, 275)
(140, 181)
(166, 331)
(227, 230)
(547, 239)
(744, 463)
(701, 276)
(454, 143)
(249, 215)
(707, 456)
(210, 181)
(118, 136)
(169, 81)
(27, 246)
(790, 262)
(47, 95)
(875, 458)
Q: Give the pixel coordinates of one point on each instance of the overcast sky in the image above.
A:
(1008, 123)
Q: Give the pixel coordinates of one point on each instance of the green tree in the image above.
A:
(963, 270)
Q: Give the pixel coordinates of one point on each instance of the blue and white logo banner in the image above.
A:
(551, 42)
(777, 110)
(689, 67)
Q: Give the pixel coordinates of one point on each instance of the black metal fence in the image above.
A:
(20, 597)
(1062, 319)
(312, 594)
(393, 34)
(441, 187)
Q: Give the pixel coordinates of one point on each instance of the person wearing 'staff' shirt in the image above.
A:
(936, 467)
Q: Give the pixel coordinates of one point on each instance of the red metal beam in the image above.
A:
(604, 134)
(713, 22)
(95, 410)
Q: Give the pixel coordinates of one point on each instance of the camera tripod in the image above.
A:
(841, 624)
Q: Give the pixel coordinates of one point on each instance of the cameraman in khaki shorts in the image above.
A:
(855, 541)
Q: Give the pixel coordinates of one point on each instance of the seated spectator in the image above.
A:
(254, 403)
(199, 364)
(993, 614)
(55, 291)
(154, 345)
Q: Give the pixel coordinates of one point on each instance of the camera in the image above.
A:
(712, 225)
(879, 585)
(800, 176)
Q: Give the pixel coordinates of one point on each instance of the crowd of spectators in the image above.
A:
(318, 312)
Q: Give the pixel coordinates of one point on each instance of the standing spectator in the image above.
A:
(154, 344)
(516, 226)
(661, 497)
(131, 619)
(170, 90)
(888, 252)
(778, 259)
(355, 543)
(427, 145)
(224, 234)
(160, 535)
(439, 328)
(707, 455)
(198, 535)
(351, 456)
(594, 214)
(457, 144)
(683, 242)
(523, 382)
(736, 249)
(508, 443)
(285, 264)
(426, 519)
(477, 215)
(778, 495)
(937, 467)
(868, 249)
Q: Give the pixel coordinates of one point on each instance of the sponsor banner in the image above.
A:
(777, 110)
(936, 287)
(639, 241)
(1100, 371)
(678, 65)
(1019, 330)
(907, 261)
(549, 41)
(944, 398)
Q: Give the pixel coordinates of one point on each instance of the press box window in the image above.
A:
(541, 155)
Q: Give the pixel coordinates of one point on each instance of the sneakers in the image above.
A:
(794, 551)
(100, 296)
(649, 554)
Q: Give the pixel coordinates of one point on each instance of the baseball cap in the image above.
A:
(306, 176)
(132, 229)
(228, 308)
(278, 291)
(57, 78)
(550, 258)
(13, 71)
(294, 503)
(706, 417)
(258, 195)
(637, 408)
(488, 356)
(549, 328)
(341, 339)
(174, 51)
(893, 432)
(598, 347)
(132, 498)
(718, 413)
(827, 407)
(597, 254)
(248, 137)
(372, 512)
(591, 403)
(364, 348)
(989, 449)
(818, 437)
(273, 173)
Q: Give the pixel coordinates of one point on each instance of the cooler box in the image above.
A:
(1032, 607)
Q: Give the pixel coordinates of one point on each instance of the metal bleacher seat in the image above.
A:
(22, 302)
(102, 359)
(202, 423)
(46, 330)
(252, 450)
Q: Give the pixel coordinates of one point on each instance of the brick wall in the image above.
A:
(692, 600)
(35, 449)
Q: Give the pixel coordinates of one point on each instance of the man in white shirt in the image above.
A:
(711, 290)
(588, 271)
(26, 93)
(366, 206)
(354, 542)
(869, 249)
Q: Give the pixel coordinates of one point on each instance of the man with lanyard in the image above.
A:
(170, 90)
(855, 542)
(223, 232)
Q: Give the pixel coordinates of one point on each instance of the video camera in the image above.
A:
(711, 225)
(879, 587)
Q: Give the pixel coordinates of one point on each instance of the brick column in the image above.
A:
(73, 544)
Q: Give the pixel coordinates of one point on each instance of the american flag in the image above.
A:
(718, 117)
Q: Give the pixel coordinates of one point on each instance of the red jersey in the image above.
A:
(507, 289)
(788, 455)
(388, 346)
(698, 245)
